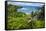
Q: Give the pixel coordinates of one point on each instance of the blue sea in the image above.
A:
(28, 9)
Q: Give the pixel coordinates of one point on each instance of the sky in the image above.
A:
(27, 7)
(26, 4)
(28, 0)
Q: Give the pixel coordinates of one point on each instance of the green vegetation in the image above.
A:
(20, 20)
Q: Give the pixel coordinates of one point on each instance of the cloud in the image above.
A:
(26, 4)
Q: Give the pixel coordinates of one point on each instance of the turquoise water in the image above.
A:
(28, 9)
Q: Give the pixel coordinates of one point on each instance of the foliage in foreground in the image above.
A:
(19, 20)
